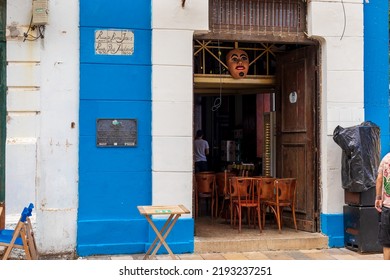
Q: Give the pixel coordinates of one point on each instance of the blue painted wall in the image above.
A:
(333, 226)
(376, 94)
(113, 181)
(376, 68)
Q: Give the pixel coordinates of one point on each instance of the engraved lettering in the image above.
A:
(114, 42)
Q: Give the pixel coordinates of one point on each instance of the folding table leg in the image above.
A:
(162, 238)
(147, 254)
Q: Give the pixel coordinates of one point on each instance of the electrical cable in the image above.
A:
(345, 20)
(218, 100)
(40, 29)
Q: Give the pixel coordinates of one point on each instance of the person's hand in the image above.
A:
(378, 205)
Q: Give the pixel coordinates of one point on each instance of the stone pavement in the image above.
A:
(315, 254)
(216, 240)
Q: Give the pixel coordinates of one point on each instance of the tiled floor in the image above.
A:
(218, 236)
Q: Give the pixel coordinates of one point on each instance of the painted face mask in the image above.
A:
(238, 63)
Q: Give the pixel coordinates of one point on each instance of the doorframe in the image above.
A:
(316, 123)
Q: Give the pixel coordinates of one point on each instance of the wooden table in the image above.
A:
(174, 212)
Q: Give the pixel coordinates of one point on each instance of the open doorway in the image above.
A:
(266, 121)
(235, 130)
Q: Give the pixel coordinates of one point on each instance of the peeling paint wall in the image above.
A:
(42, 104)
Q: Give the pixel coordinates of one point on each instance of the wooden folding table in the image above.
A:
(174, 212)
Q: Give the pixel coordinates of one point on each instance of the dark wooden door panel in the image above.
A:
(294, 100)
(293, 155)
(296, 130)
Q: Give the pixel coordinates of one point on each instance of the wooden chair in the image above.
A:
(29, 214)
(22, 237)
(205, 189)
(264, 192)
(284, 196)
(222, 181)
(242, 196)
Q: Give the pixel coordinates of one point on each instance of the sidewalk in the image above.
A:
(321, 254)
(218, 237)
(314, 254)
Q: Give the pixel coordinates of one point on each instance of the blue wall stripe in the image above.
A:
(332, 225)
(119, 192)
(115, 82)
(102, 237)
(116, 13)
(111, 236)
(376, 68)
(114, 180)
(109, 159)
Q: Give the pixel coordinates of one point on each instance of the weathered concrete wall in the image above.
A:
(42, 124)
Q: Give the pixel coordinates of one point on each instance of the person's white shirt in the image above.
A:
(201, 149)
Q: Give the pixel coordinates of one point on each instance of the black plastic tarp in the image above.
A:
(360, 156)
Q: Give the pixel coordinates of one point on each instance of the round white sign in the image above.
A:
(293, 97)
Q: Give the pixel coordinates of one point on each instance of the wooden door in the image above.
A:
(296, 131)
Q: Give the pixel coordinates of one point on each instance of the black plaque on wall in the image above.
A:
(116, 132)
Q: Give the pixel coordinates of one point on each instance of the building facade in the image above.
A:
(93, 65)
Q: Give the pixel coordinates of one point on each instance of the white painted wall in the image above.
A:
(172, 97)
(338, 25)
(42, 103)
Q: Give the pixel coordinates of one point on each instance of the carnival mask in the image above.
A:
(238, 63)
